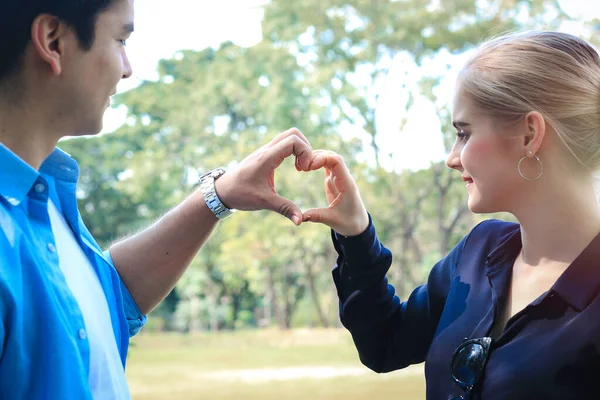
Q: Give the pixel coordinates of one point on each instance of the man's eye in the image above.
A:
(462, 136)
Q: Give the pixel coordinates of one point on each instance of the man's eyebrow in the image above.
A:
(460, 124)
(128, 28)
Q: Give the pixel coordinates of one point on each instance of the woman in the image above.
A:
(513, 311)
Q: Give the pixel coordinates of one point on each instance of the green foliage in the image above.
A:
(314, 69)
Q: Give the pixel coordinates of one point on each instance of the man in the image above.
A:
(67, 310)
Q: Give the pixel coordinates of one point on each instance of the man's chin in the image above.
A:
(79, 134)
(88, 131)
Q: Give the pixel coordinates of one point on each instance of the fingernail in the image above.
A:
(295, 219)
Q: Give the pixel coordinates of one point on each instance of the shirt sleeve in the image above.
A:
(2, 323)
(7, 264)
(5, 297)
(135, 319)
(388, 334)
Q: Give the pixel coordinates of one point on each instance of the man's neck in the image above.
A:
(24, 132)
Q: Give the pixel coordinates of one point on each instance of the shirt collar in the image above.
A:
(16, 176)
(507, 250)
(578, 285)
(61, 166)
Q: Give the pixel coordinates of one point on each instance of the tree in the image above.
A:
(316, 68)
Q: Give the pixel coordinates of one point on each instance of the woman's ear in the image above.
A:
(535, 124)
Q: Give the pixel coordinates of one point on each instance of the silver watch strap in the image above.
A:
(207, 186)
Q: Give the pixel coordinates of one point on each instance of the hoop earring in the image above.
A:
(531, 179)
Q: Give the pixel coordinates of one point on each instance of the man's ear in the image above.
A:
(536, 131)
(49, 36)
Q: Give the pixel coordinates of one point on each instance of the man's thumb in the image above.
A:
(288, 209)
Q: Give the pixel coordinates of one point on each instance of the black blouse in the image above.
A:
(549, 350)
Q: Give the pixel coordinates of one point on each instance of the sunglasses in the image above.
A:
(468, 363)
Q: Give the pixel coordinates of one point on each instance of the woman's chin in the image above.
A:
(477, 206)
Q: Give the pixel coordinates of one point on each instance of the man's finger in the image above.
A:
(284, 135)
(292, 145)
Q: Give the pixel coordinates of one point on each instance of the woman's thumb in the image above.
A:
(318, 215)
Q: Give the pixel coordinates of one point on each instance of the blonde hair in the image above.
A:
(554, 73)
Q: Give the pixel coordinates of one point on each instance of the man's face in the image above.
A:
(91, 77)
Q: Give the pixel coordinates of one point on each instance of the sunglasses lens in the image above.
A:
(468, 363)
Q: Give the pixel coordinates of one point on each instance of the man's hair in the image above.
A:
(17, 16)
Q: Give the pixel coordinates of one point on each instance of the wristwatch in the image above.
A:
(207, 186)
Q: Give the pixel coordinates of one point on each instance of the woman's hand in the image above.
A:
(250, 185)
(346, 213)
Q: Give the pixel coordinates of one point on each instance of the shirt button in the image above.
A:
(39, 187)
(51, 248)
(82, 334)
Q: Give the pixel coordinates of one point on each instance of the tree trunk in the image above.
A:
(213, 310)
(195, 320)
(315, 297)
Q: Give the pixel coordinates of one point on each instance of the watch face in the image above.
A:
(217, 172)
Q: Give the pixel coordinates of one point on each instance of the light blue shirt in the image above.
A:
(45, 350)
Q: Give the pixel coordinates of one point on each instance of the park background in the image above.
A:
(256, 314)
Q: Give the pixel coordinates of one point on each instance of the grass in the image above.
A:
(207, 366)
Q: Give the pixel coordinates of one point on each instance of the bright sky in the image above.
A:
(164, 27)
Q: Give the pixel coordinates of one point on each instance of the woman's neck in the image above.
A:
(557, 226)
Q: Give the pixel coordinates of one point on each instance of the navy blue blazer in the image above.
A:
(550, 350)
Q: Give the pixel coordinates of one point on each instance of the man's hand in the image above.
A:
(151, 262)
(346, 213)
(251, 184)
